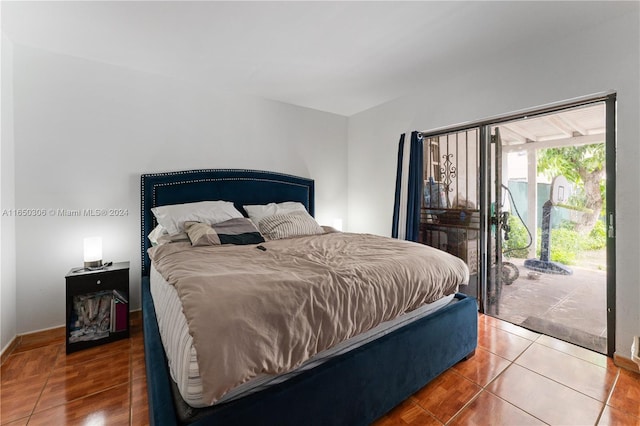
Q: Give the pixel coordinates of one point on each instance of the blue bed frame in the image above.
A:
(352, 389)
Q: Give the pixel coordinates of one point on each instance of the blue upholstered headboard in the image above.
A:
(243, 187)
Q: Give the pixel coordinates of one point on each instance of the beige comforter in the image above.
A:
(252, 312)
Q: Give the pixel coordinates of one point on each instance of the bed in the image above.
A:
(354, 387)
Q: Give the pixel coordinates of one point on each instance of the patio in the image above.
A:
(569, 307)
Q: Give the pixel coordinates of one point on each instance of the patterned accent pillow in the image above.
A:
(289, 225)
(238, 231)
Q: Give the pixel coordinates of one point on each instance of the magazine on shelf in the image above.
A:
(91, 316)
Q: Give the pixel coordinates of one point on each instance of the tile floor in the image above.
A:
(104, 385)
(516, 377)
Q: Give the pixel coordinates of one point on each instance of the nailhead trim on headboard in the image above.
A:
(220, 175)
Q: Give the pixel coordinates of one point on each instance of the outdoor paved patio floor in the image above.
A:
(568, 307)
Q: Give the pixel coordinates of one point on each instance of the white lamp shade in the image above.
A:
(93, 251)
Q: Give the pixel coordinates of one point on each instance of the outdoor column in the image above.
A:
(532, 199)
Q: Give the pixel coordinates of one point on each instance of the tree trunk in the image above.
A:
(594, 201)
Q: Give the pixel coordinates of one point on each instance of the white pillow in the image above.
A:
(258, 212)
(173, 217)
(160, 236)
(157, 232)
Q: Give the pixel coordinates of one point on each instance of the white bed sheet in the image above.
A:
(182, 356)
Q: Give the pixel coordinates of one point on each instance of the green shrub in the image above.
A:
(597, 238)
(565, 244)
(516, 245)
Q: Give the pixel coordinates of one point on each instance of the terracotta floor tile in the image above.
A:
(135, 319)
(515, 329)
(107, 384)
(488, 321)
(135, 332)
(136, 336)
(102, 351)
(34, 362)
(572, 372)
(18, 397)
(446, 395)
(502, 343)
(545, 399)
(137, 356)
(626, 393)
(24, 374)
(138, 365)
(109, 407)
(20, 422)
(75, 381)
(407, 413)
(614, 417)
(139, 403)
(482, 367)
(137, 341)
(488, 409)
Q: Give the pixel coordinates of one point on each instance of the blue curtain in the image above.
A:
(408, 196)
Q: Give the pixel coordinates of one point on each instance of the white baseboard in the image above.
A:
(625, 362)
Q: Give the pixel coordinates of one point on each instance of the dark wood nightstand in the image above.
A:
(97, 306)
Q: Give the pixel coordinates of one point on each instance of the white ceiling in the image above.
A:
(340, 57)
(575, 126)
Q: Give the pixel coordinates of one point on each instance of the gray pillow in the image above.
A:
(238, 231)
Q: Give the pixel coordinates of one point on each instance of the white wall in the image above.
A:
(601, 58)
(7, 201)
(85, 131)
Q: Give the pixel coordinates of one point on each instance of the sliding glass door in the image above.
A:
(548, 225)
(501, 194)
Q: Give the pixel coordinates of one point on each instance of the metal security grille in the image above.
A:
(450, 218)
